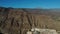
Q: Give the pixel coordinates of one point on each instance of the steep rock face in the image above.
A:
(14, 21)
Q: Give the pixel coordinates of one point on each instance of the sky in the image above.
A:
(30, 3)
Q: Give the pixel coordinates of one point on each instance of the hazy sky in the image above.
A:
(30, 3)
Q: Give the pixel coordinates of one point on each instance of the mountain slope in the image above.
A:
(19, 21)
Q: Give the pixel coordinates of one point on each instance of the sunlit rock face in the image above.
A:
(19, 21)
(43, 31)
